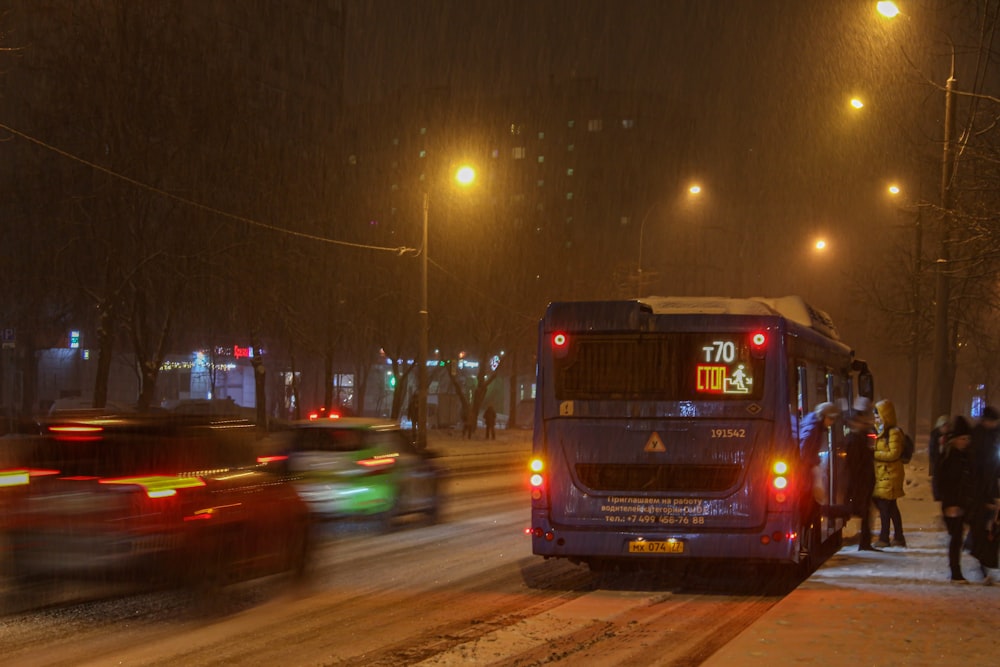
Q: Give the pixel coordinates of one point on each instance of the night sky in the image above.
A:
(769, 82)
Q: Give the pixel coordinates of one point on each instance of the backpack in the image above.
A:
(907, 453)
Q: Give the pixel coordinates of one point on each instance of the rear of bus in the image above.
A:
(663, 436)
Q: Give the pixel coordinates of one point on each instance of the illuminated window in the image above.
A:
(625, 220)
(541, 135)
(515, 129)
(571, 123)
(423, 130)
(569, 172)
(569, 195)
(519, 152)
(628, 123)
(541, 159)
(423, 154)
(495, 153)
(594, 125)
(570, 147)
(541, 182)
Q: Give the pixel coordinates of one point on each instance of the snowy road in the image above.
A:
(466, 591)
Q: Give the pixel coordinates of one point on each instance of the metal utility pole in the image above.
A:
(943, 374)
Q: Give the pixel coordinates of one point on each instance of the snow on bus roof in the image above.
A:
(793, 308)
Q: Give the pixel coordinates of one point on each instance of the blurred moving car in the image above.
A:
(169, 499)
(358, 467)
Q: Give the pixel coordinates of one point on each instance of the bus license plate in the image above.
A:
(656, 547)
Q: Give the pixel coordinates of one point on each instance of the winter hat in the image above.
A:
(825, 410)
(991, 413)
(959, 426)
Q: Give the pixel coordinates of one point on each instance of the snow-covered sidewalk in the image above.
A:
(894, 607)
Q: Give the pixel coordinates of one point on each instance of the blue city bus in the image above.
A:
(666, 430)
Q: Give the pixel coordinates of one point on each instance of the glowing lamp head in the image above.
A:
(758, 343)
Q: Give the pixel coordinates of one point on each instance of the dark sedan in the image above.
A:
(170, 499)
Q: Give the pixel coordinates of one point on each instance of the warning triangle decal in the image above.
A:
(655, 443)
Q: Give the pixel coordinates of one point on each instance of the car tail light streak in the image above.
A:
(272, 459)
(158, 487)
(379, 462)
(76, 432)
(14, 477)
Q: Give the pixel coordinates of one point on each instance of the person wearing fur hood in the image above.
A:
(889, 474)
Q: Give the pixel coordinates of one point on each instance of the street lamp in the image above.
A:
(465, 175)
(693, 191)
(911, 422)
(942, 380)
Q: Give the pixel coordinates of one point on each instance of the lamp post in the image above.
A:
(693, 191)
(942, 379)
(424, 325)
(464, 176)
(912, 394)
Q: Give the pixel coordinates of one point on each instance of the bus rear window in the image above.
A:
(661, 366)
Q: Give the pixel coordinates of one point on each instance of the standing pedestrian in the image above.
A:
(861, 468)
(935, 445)
(955, 481)
(469, 422)
(986, 467)
(813, 438)
(889, 474)
(490, 419)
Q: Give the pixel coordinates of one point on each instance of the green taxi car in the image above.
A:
(362, 468)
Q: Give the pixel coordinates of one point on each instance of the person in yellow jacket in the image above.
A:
(889, 474)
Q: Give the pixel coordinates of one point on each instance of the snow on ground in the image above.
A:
(891, 608)
(894, 607)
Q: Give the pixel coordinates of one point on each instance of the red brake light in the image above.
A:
(380, 461)
(157, 486)
(559, 340)
(76, 432)
(272, 459)
(758, 342)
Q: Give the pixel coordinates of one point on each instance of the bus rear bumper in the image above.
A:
(774, 542)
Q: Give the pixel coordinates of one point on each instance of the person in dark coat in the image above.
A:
(859, 446)
(986, 465)
(955, 477)
(490, 419)
(935, 444)
(813, 434)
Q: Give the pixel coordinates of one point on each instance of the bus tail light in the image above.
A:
(781, 487)
(560, 344)
(758, 344)
(537, 478)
